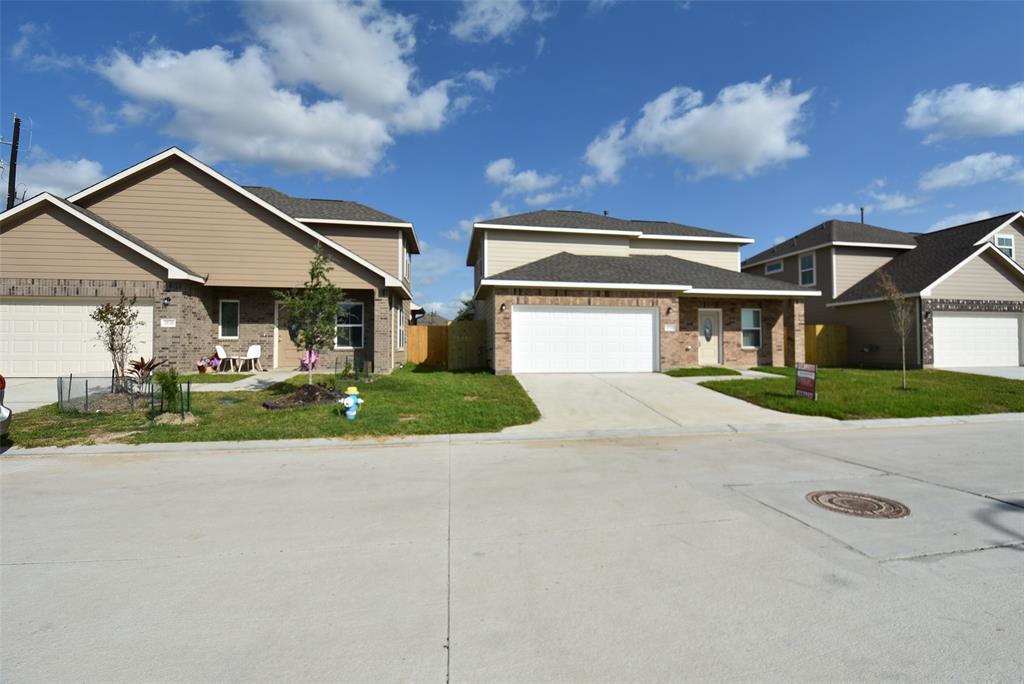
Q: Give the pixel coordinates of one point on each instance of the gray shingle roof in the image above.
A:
(300, 207)
(935, 254)
(834, 231)
(126, 235)
(639, 270)
(551, 218)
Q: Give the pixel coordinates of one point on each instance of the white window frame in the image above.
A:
(768, 270)
(1002, 247)
(407, 262)
(758, 329)
(220, 318)
(801, 270)
(400, 327)
(361, 325)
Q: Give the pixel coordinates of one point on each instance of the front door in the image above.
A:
(709, 330)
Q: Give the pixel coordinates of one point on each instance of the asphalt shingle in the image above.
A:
(341, 210)
(563, 218)
(834, 231)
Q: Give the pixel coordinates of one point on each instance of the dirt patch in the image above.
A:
(406, 418)
(174, 419)
(107, 403)
(112, 437)
(470, 397)
(307, 395)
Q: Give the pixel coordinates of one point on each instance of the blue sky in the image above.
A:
(762, 119)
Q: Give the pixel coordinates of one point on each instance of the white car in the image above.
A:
(5, 413)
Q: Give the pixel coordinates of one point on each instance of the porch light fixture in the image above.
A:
(167, 301)
(502, 308)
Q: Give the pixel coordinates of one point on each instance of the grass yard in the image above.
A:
(849, 393)
(702, 372)
(407, 402)
(212, 378)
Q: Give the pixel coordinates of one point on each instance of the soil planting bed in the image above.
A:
(307, 395)
(107, 403)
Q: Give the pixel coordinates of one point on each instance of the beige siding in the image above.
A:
(54, 244)
(214, 230)
(869, 326)
(380, 246)
(1016, 231)
(815, 310)
(721, 255)
(853, 264)
(982, 278)
(508, 249)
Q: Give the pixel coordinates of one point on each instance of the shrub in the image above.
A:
(170, 390)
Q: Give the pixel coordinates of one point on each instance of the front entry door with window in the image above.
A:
(709, 330)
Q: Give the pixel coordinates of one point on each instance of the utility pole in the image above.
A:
(13, 170)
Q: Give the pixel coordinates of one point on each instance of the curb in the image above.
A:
(495, 437)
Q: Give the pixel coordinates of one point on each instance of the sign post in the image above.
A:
(807, 380)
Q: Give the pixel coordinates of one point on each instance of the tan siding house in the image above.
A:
(206, 254)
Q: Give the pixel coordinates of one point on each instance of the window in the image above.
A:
(228, 320)
(400, 328)
(408, 265)
(750, 322)
(773, 267)
(1004, 243)
(807, 269)
(350, 326)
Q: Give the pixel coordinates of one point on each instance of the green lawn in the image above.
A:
(702, 372)
(849, 393)
(213, 378)
(407, 402)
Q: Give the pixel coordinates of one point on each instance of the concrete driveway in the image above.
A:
(573, 402)
(651, 560)
(1008, 372)
(29, 393)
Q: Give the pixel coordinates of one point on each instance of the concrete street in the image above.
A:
(685, 558)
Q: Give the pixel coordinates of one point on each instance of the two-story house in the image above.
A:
(202, 255)
(571, 291)
(967, 284)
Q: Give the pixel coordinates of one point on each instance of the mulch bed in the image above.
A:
(107, 402)
(307, 395)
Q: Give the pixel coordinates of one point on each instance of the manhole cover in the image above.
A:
(862, 505)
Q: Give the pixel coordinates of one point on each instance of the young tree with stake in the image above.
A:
(314, 309)
(116, 324)
(901, 312)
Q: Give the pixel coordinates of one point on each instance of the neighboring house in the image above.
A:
(432, 318)
(967, 283)
(570, 291)
(202, 255)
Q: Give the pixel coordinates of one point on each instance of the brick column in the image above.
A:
(777, 334)
(381, 333)
(794, 318)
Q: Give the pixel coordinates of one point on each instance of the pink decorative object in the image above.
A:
(309, 360)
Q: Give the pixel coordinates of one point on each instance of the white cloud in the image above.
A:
(971, 170)
(100, 120)
(487, 80)
(61, 177)
(894, 201)
(606, 153)
(959, 219)
(480, 21)
(326, 87)
(435, 263)
(465, 226)
(963, 110)
(34, 51)
(749, 126)
(779, 239)
(539, 45)
(840, 209)
(545, 198)
(448, 308)
(502, 172)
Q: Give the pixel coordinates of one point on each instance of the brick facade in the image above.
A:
(195, 310)
(929, 306)
(782, 340)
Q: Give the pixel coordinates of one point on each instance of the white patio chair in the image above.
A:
(252, 357)
(232, 361)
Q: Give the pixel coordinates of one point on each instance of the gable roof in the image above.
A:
(174, 152)
(935, 255)
(310, 210)
(175, 269)
(652, 272)
(831, 232)
(585, 220)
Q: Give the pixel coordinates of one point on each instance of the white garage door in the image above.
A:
(583, 339)
(976, 339)
(51, 337)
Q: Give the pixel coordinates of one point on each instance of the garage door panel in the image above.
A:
(565, 339)
(976, 339)
(42, 338)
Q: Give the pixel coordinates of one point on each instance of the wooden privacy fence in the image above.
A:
(825, 345)
(458, 346)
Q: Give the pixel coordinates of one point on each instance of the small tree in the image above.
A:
(116, 324)
(466, 311)
(901, 312)
(314, 309)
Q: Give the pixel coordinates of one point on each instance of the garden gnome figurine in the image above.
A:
(351, 402)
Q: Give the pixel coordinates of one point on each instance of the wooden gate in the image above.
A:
(460, 345)
(825, 345)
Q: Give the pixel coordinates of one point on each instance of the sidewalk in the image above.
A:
(256, 381)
